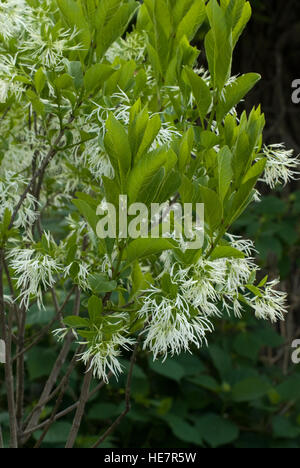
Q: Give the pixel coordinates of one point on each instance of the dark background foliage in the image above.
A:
(242, 391)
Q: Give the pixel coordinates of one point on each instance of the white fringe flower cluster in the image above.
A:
(11, 187)
(271, 305)
(281, 165)
(35, 273)
(13, 17)
(49, 48)
(131, 48)
(173, 324)
(170, 327)
(103, 352)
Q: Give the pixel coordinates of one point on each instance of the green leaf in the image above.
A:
(169, 187)
(118, 148)
(289, 389)
(216, 431)
(192, 21)
(263, 281)
(87, 212)
(39, 80)
(169, 368)
(269, 337)
(247, 345)
(205, 381)
(283, 428)
(200, 91)
(241, 23)
(160, 15)
(225, 172)
(140, 248)
(152, 129)
(226, 252)
(185, 150)
(74, 16)
(4, 225)
(74, 321)
(256, 291)
(99, 283)
(37, 104)
(255, 171)
(218, 45)
(182, 429)
(250, 389)
(112, 23)
(234, 93)
(96, 75)
(75, 71)
(36, 316)
(222, 361)
(143, 173)
(139, 280)
(212, 206)
(64, 81)
(95, 308)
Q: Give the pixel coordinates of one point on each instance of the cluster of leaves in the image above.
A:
(226, 395)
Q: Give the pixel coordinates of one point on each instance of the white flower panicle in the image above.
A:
(281, 166)
(11, 187)
(49, 49)
(61, 333)
(35, 273)
(4, 89)
(103, 352)
(82, 275)
(169, 325)
(14, 17)
(272, 305)
(8, 84)
(131, 48)
(18, 156)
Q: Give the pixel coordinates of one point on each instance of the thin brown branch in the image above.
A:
(62, 387)
(40, 172)
(85, 391)
(1, 438)
(20, 370)
(68, 410)
(9, 379)
(54, 373)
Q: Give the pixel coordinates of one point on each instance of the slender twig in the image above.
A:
(127, 399)
(1, 438)
(80, 409)
(55, 371)
(68, 410)
(49, 384)
(59, 387)
(63, 387)
(40, 172)
(20, 371)
(9, 379)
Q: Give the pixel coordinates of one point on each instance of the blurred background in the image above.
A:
(244, 390)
